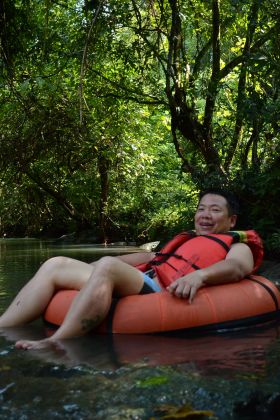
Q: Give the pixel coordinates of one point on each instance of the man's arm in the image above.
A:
(135, 258)
(239, 262)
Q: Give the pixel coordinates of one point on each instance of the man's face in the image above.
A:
(212, 215)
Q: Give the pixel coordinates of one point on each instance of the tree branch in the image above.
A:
(85, 52)
(68, 207)
(254, 48)
(119, 86)
(213, 83)
(183, 116)
(253, 17)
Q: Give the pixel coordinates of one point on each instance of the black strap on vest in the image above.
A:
(167, 255)
(219, 241)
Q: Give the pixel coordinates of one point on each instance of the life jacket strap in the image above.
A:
(219, 241)
(167, 255)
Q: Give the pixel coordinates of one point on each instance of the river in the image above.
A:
(227, 376)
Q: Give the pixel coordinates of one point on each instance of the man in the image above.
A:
(117, 276)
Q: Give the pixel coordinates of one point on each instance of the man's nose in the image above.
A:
(206, 213)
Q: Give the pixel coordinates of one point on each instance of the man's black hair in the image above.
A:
(231, 199)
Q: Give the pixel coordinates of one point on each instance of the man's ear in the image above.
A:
(233, 219)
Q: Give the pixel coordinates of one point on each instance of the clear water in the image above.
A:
(125, 376)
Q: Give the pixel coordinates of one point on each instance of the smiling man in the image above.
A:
(117, 276)
(216, 213)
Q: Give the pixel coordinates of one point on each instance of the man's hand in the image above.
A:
(187, 286)
(239, 262)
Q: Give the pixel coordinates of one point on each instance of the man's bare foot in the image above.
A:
(35, 345)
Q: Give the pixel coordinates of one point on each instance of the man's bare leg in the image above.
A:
(91, 305)
(32, 300)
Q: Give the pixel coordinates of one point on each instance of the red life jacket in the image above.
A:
(187, 252)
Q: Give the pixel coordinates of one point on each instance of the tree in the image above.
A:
(213, 56)
(89, 86)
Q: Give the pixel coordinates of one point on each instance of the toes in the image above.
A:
(23, 345)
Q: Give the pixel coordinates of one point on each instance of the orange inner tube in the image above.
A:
(233, 305)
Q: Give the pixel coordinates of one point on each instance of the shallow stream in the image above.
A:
(227, 376)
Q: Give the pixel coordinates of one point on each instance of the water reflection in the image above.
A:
(228, 354)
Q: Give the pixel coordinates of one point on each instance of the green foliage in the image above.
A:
(114, 114)
(260, 191)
